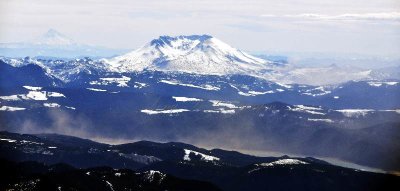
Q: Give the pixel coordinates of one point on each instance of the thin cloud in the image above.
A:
(390, 16)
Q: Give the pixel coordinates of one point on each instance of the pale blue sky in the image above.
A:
(370, 27)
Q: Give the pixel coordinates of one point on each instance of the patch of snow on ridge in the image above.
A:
(321, 120)
(307, 109)
(37, 95)
(140, 85)
(283, 162)
(355, 112)
(55, 94)
(204, 87)
(9, 108)
(185, 99)
(260, 93)
(255, 93)
(51, 105)
(378, 84)
(393, 110)
(284, 85)
(170, 111)
(204, 157)
(110, 185)
(318, 91)
(251, 93)
(10, 98)
(8, 140)
(121, 82)
(221, 110)
(33, 95)
(96, 90)
(217, 103)
(32, 88)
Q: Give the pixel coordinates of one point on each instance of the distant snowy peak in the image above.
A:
(55, 44)
(201, 54)
(52, 37)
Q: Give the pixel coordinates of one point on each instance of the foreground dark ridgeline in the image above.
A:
(165, 166)
(36, 176)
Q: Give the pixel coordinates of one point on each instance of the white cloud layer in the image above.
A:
(389, 16)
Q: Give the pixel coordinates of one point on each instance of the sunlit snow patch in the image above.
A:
(121, 82)
(282, 162)
(204, 87)
(355, 112)
(393, 110)
(51, 105)
(379, 84)
(9, 108)
(318, 91)
(217, 103)
(204, 157)
(185, 99)
(307, 109)
(10, 98)
(221, 110)
(69, 107)
(170, 111)
(251, 93)
(55, 94)
(96, 90)
(284, 85)
(37, 95)
(321, 120)
(8, 140)
(139, 85)
(255, 93)
(32, 88)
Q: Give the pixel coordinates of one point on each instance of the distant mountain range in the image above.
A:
(53, 44)
(196, 54)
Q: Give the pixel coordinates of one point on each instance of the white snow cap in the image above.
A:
(53, 37)
(201, 54)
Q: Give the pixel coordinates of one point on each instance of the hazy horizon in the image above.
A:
(341, 27)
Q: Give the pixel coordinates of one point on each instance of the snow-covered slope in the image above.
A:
(201, 54)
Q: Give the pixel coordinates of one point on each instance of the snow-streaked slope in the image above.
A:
(201, 54)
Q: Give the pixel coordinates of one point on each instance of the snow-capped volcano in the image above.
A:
(54, 44)
(53, 38)
(202, 54)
